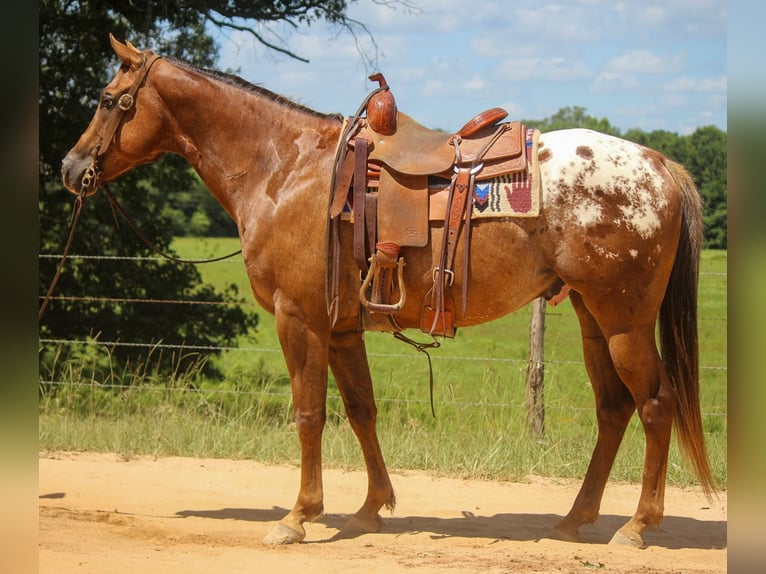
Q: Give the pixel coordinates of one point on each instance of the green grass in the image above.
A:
(479, 394)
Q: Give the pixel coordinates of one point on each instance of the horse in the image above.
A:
(620, 230)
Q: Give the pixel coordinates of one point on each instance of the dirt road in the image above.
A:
(102, 513)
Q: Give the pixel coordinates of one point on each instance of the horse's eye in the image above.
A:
(107, 102)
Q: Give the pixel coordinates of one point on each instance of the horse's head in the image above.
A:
(125, 131)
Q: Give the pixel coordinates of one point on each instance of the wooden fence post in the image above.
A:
(536, 370)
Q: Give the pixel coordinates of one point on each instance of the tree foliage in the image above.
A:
(573, 117)
(704, 154)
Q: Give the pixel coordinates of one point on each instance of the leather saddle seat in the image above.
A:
(414, 149)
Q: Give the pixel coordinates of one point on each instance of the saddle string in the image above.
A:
(435, 344)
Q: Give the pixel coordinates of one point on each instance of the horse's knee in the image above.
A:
(309, 422)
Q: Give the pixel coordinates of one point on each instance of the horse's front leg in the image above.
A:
(348, 360)
(305, 348)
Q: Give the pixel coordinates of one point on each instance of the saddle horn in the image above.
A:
(381, 109)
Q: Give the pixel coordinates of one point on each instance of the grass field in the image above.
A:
(479, 394)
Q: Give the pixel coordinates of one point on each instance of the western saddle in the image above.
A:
(387, 173)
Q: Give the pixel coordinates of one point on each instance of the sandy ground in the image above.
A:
(102, 513)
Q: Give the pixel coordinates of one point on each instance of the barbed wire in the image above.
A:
(215, 348)
(229, 261)
(89, 299)
(330, 396)
(242, 302)
(250, 349)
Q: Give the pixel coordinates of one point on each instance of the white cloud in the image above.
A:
(704, 85)
(702, 19)
(645, 62)
(614, 81)
(546, 69)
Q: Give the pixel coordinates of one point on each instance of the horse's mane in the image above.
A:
(240, 83)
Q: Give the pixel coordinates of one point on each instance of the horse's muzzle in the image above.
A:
(80, 175)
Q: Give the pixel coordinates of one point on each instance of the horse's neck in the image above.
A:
(240, 141)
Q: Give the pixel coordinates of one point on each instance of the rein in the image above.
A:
(77, 207)
(132, 224)
(79, 202)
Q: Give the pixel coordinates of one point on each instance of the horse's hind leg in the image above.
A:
(614, 408)
(639, 365)
(348, 361)
(626, 352)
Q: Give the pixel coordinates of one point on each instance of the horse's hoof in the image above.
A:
(622, 539)
(282, 534)
(357, 525)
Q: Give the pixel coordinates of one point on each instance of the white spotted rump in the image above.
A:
(603, 170)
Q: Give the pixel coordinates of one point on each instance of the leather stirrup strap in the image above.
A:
(444, 274)
(455, 216)
(468, 210)
(360, 191)
(370, 223)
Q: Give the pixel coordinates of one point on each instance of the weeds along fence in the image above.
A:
(528, 361)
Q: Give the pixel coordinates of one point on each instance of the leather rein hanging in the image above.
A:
(91, 182)
(117, 208)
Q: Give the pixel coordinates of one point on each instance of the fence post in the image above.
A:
(536, 370)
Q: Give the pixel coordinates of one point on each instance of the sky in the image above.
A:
(649, 65)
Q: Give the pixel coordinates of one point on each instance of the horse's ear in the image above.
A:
(129, 54)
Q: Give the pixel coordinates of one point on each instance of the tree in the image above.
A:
(573, 117)
(707, 164)
(76, 61)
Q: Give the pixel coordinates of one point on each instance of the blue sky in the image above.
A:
(649, 65)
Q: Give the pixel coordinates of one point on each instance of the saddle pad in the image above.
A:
(511, 195)
(516, 194)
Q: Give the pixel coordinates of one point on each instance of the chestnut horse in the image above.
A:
(620, 225)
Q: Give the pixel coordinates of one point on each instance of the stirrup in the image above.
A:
(383, 307)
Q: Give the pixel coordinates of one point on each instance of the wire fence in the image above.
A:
(245, 349)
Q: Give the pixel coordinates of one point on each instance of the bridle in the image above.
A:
(91, 178)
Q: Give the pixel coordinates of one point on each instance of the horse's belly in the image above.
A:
(507, 270)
